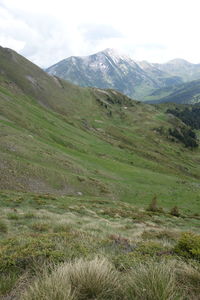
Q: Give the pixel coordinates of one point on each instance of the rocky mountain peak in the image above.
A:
(116, 55)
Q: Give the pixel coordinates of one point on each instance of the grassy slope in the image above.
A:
(86, 149)
(58, 140)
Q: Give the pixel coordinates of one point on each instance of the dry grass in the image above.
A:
(49, 287)
(188, 276)
(129, 243)
(81, 280)
(97, 279)
(152, 281)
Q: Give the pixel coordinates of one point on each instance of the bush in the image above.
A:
(149, 248)
(13, 216)
(81, 280)
(19, 252)
(152, 281)
(189, 246)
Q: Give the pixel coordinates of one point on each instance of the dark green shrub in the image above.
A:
(189, 246)
(13, 216)
(149, 248)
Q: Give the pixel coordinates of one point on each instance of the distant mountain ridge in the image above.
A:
(185, 93)
(110, 69)
(182, 68)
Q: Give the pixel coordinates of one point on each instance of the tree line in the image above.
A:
(191, 117)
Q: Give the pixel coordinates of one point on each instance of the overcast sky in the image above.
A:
(155, 30)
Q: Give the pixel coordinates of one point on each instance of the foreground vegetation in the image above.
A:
(59, 247)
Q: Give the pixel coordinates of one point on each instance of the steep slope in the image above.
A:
(109, 69)
(63, 139)
(187, 93)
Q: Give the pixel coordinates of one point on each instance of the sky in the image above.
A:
(46, 32)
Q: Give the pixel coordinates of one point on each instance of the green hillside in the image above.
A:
(90, 174)
(59, 138)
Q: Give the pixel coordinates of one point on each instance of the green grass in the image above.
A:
(52, 153)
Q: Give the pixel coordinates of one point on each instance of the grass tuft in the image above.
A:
(81, 280)
(188, 277)
(7, 281)
(152, 281)
(49, 287)
(40, 227)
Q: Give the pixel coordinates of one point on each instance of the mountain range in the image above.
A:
(139, 80)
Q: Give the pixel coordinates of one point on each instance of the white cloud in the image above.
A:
(48, 31)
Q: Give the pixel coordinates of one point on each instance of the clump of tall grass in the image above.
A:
(188, 278)
(7, 281)
(81, 280)
(152, 281)
(96, 279)
(52, 286)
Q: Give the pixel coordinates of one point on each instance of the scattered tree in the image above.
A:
(175, 211)
(153, 206)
